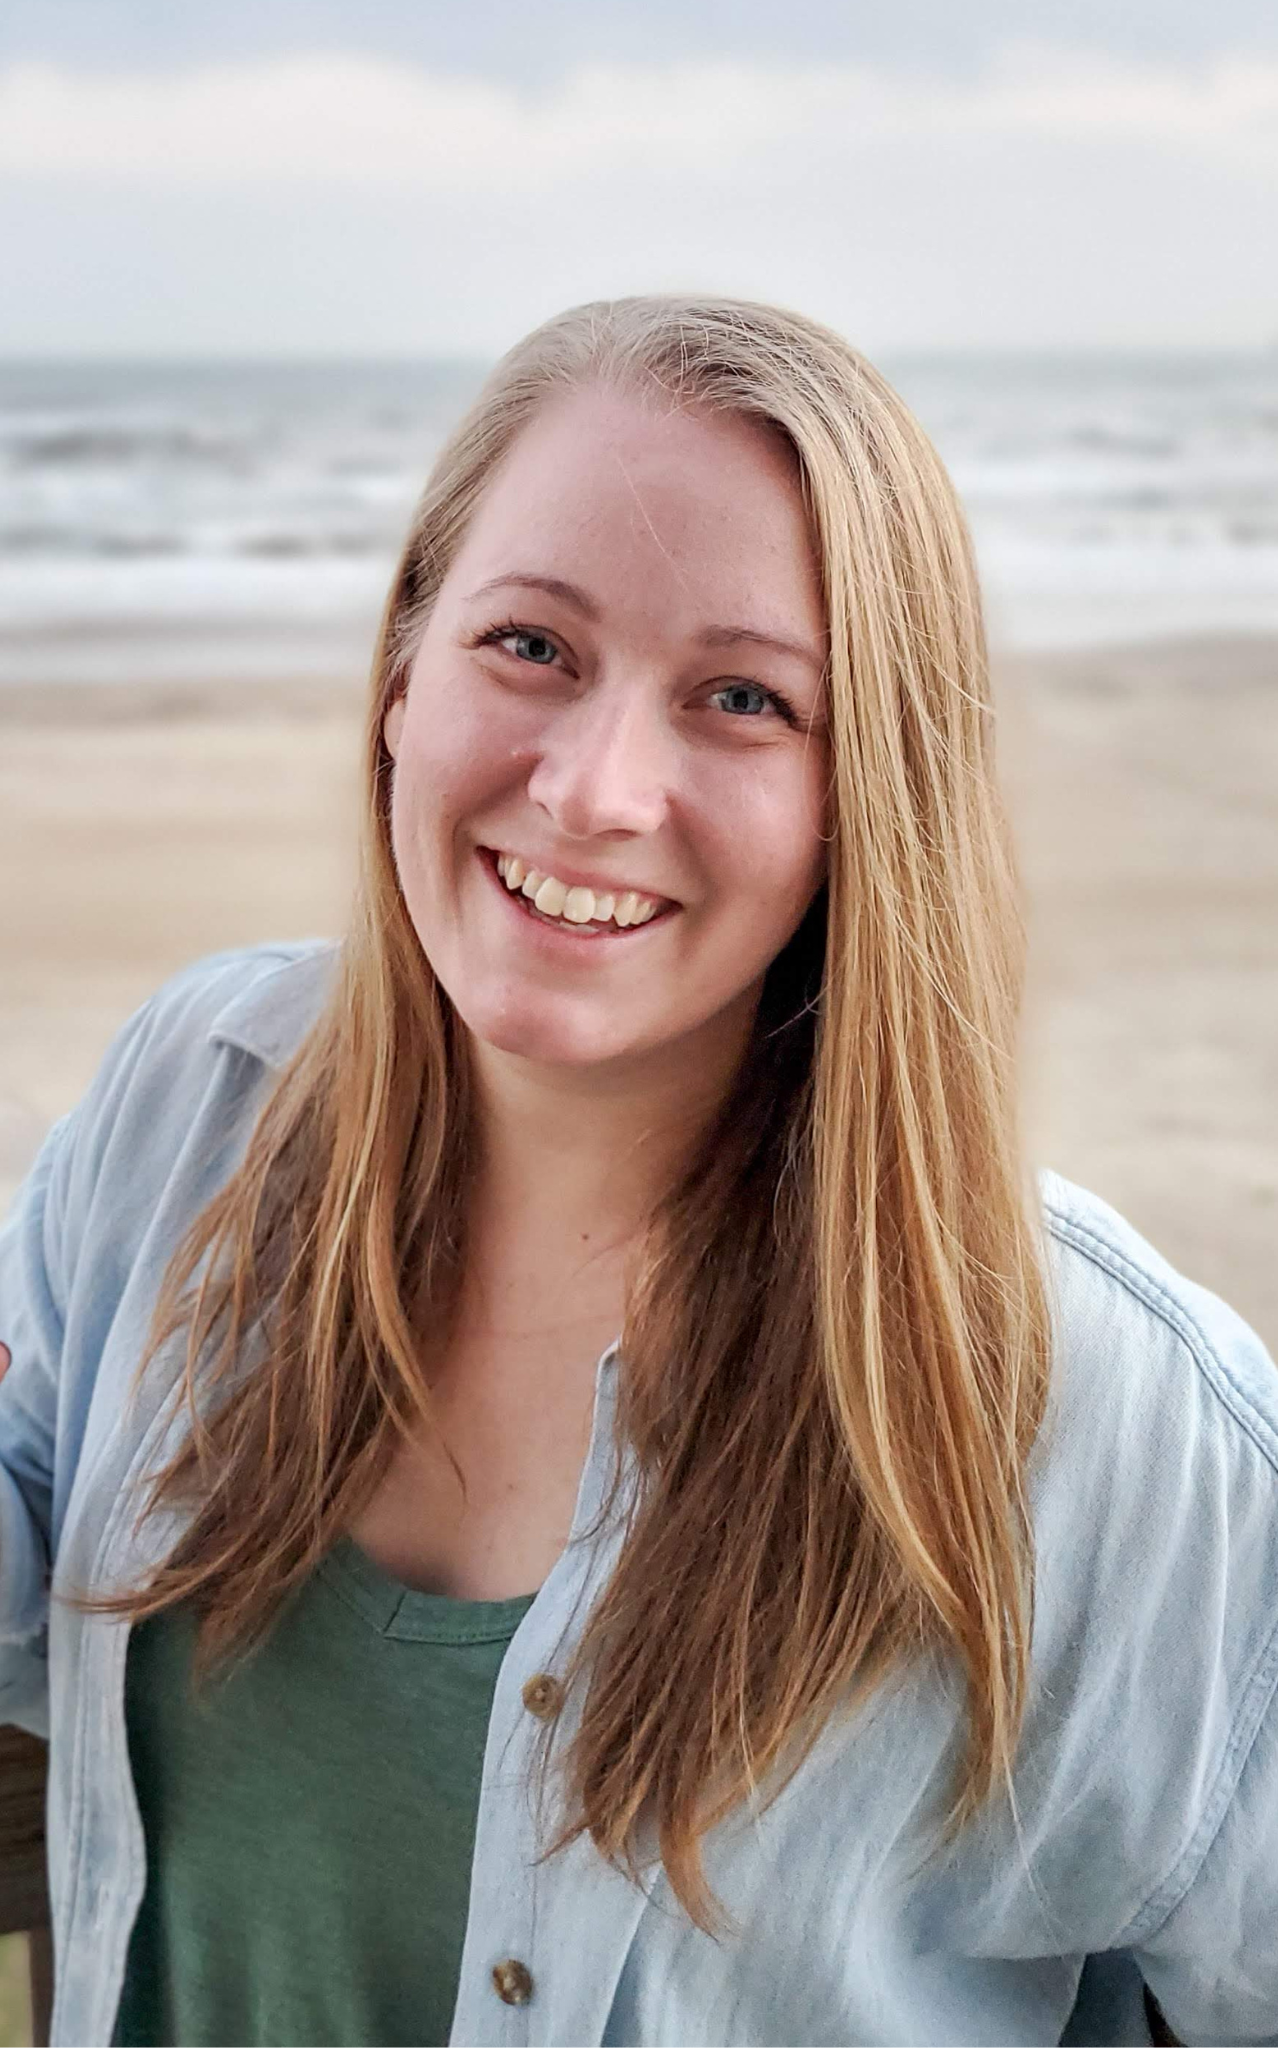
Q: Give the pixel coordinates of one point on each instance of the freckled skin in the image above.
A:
(621, 753)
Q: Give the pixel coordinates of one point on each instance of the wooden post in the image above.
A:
(24, 1894)
(1159, 2031)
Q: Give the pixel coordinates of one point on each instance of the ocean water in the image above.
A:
(192, 521)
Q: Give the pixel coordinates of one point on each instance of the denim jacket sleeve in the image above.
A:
(1213, 1964)
(43, 1396)
(32, 1312)
(1165, 1505)
(67, 1254)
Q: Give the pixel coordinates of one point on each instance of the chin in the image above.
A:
(552, 1039)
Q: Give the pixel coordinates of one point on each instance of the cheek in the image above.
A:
(771, 842)
(428, 796)
(447, 758)
(810, 829)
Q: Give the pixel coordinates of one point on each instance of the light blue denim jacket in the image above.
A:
(1146, 1834)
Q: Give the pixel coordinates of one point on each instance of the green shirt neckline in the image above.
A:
(408, 1615)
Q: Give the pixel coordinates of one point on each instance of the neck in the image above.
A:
(572, 1160)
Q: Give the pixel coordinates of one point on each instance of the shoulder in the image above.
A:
(261, 999)
(1133, 1333)
(1153, 1490)
(188, 1068)
(1155, 1498)
(256, 999)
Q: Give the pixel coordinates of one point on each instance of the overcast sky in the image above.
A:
(410, 176)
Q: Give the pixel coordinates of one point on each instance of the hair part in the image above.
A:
(835, 1349)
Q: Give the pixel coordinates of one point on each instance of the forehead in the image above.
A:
(625, 486)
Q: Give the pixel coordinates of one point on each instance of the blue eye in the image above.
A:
(742, 689)
(531, 644)
(534, 647)
(749, 699)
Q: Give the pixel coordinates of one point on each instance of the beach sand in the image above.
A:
(140, 828)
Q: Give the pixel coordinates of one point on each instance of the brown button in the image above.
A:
(513, 1981)
(543, 1695)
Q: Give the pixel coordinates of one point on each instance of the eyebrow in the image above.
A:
(712, 636)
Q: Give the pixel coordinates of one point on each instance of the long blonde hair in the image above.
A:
(835, 1351)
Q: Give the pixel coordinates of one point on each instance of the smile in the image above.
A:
(574, 909)
(573, 904)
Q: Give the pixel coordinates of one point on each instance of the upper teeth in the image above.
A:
(577, 906)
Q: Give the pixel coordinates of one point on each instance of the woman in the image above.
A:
(877, 1643)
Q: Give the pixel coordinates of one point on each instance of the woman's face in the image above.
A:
(619, 689)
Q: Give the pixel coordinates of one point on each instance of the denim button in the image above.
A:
(512, 1981)
(543, 1695)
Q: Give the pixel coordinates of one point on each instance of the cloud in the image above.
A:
(352, 204)
(362, 122)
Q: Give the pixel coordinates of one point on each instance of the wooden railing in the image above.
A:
(24, 1896)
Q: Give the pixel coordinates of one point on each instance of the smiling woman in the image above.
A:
(603, 742)
(639, 1518)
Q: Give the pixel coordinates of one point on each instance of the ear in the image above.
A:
(392, 726)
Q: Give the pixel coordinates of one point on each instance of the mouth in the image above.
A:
(574, 913)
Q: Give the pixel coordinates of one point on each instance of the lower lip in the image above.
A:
(559, 934)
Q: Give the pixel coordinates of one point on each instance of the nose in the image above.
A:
(606, 764)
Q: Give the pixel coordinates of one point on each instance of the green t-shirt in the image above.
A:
(310, 1821)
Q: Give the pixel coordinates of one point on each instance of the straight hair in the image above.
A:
(834, 1358)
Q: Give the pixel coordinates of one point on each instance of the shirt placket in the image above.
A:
(104, 1850)
(545, 1940)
